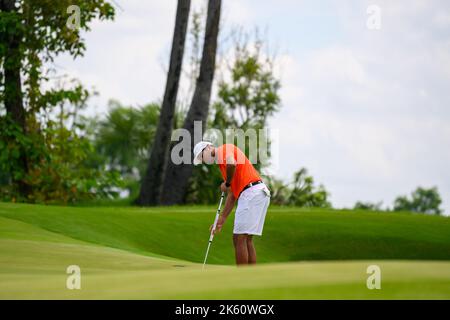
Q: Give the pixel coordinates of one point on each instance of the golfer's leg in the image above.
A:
(240, 247)
(251, 250)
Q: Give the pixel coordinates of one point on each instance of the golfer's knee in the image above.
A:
(239, 239)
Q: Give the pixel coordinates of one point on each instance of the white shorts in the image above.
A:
(251, 210)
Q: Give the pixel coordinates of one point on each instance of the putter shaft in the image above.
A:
(211, 236)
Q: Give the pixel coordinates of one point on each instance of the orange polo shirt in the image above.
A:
(244, 174)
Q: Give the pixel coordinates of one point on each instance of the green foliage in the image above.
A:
(13, 141)
(48, 156)
(64, 175)
(305, 194)
(359, 205)
(422, 201)
(122, 139)
(57, 169)
(252, 95)
(279, 191)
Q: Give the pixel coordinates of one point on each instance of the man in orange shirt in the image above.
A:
(242, 183)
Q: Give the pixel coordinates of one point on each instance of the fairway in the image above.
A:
(134, 253)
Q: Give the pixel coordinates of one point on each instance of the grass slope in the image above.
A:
(290, 234)
(121, 254)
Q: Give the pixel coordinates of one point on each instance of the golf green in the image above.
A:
(135, 253)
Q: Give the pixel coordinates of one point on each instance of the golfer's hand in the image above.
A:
(219, 224)
(223, 187)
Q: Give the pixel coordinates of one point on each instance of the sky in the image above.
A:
(365, 94)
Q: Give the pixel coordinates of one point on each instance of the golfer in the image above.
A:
(243, 184)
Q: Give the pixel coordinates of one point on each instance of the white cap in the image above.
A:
(198, 150)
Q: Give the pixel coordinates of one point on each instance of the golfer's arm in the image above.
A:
(231, 168)
(231, 200)
(229, 204)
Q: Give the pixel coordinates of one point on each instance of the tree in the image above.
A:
(279, 191)
(159, 152)
(305, 194)
(32, 34)
(359, 205)
(422, 200)
(177, 176)
(190, 70)
(122, 140)
(62, 172)
(248, 91)
(11, 38)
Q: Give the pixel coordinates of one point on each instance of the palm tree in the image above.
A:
(177, 176)
(159, 152)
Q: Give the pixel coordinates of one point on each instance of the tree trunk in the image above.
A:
(159, 151)
(177, 176)
(13, 87)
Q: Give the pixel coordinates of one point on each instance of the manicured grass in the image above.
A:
(127, 252)
(290, 234)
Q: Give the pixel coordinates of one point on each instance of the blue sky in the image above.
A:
(366, 111)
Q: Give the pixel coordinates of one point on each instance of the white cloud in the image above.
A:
(370, 116)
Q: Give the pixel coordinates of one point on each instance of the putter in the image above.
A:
(211, 236)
